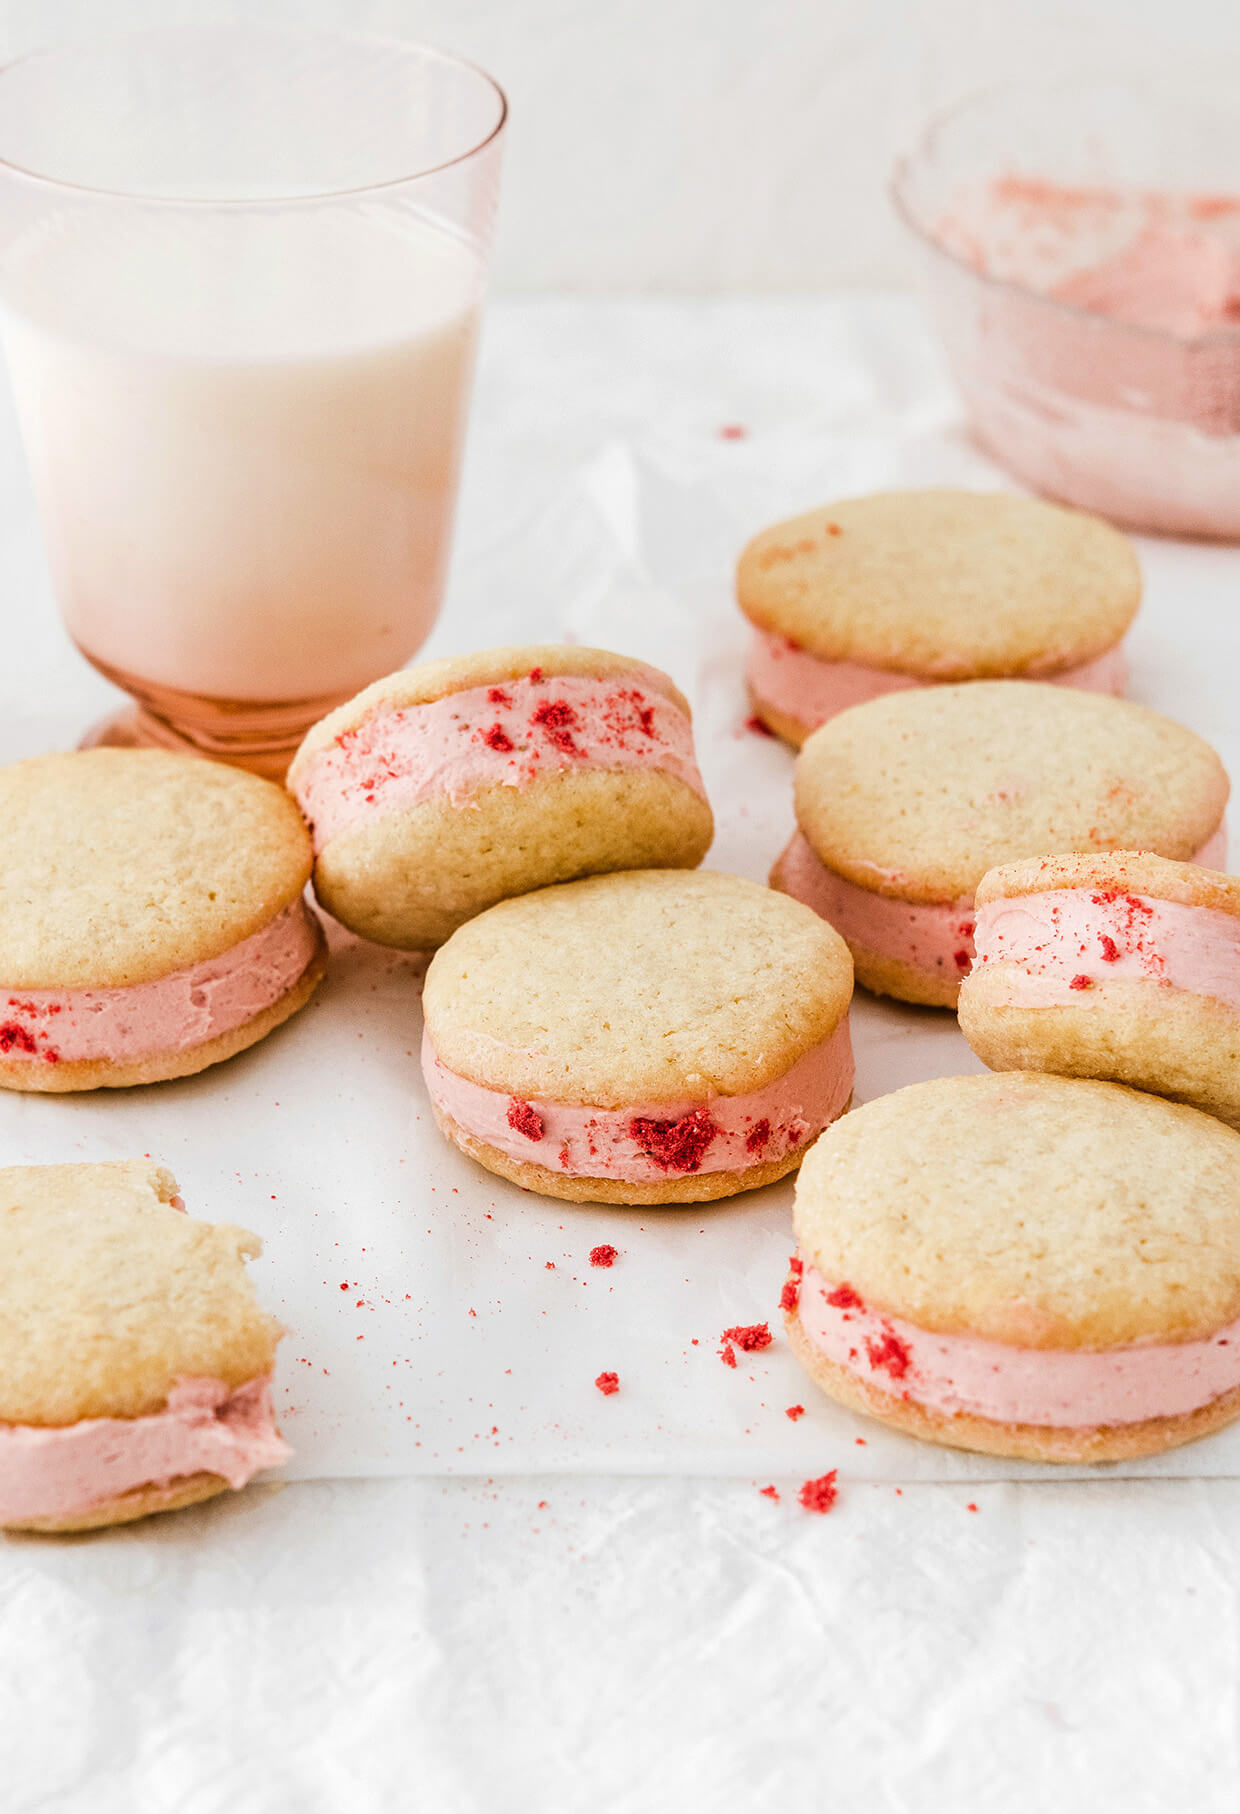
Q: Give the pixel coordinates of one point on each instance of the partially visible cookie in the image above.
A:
(874, 595)
(135, 1362)
(151, 917)
(904, 804)
(1124, 966)
(653, 1036)
(454, 785)
(1025, 1265)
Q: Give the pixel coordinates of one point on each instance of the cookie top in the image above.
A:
(919, 793)
(121, 866)
(110, 1294)
(647, 986)
(945, 585)
(435, 679)
(1117, 872)
(1041, 1211)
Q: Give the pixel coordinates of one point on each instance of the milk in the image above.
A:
(244, 430)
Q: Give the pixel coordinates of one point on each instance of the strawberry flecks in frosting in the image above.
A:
(792, 1284)
(1067, 940)
(1073, 1388)
(497, 736)
(171, 1014)
(525, 1120)
(932, 936)
(808, 690)
(758, 1137)
(651, 1143)
(63, 1471)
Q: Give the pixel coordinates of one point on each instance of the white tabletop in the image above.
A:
(562, 1641)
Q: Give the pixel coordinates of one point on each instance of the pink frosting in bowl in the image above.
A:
(648, 1143)
(801, 686)
(966, 1375)
(64, 1471)
(504, 735)
(172, 1014)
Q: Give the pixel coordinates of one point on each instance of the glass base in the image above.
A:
(258, 735)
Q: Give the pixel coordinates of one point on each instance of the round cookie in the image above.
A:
(907, 589)
(135, 1362)
(904, 804)
(1024, 1265)
(151, 917)
(1124, 966)
(653, 1036)
(454, 785)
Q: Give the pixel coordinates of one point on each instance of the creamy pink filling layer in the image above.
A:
(1071, 1388)
(802, 687)
(499, 736)
(59, 1472)
(652, 1142)
(187, 1008)
(936, 937)
(1067, 941)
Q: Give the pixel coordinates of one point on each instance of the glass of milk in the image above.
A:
(241, 270)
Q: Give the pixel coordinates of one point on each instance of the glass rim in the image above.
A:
(307, 34)
(907, 163)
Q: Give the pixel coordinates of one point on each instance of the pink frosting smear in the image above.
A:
(796, 683)
(171, 1014)
(65, 1470)
(1064, 942)
(959, 1374)
(650, 1143)
(936, 937)
(497, 736)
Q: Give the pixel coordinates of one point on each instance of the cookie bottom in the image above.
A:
(693, 1187)
(35, 1076)
(124, 1508)
(791, 730)
(905, 982)
(1012, 1441)
(1171, 1042)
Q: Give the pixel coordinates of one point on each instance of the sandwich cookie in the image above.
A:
(454, 785)
(151, 917)
(1031, 1266)
(913, 588)
(904, 804)
(135, 1362)
(646, 1037)
(1123, 966)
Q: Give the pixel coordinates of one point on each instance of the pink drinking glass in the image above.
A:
(241, 274)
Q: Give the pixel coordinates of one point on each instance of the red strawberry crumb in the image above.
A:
(733, 431)
(524, 1119)
(749, 1337)
(674, 1146)
(755, 724)
(535, 676)
(844, 1298)
(555, 714)
(963, 960)
(604, 1256)
(1110, 950)
(1081, 982)
(891, 1354)
(794, 1412)
(769, 1492)
(970, 1507)
(820, 1495)
(344, 1284)
(564, 1158)
(727, 1355)
(497, 696)
(758, 1136)
(12, 1035)
(549, 1265)
(608, 1383)
(497, 738)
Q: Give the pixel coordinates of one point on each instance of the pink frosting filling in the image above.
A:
(801, 686)
(498, 736)
(171, 1014)
(1071, 1388)
(936, 937)
(1066, 941)
(651, 1142)
(62, 1471)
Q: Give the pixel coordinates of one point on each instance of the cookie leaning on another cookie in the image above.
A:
(1024, 1265)
(654, 1036)
(1124, 966)
(135, 1362)
(454, 785)
(151, 917)
(907, 589)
